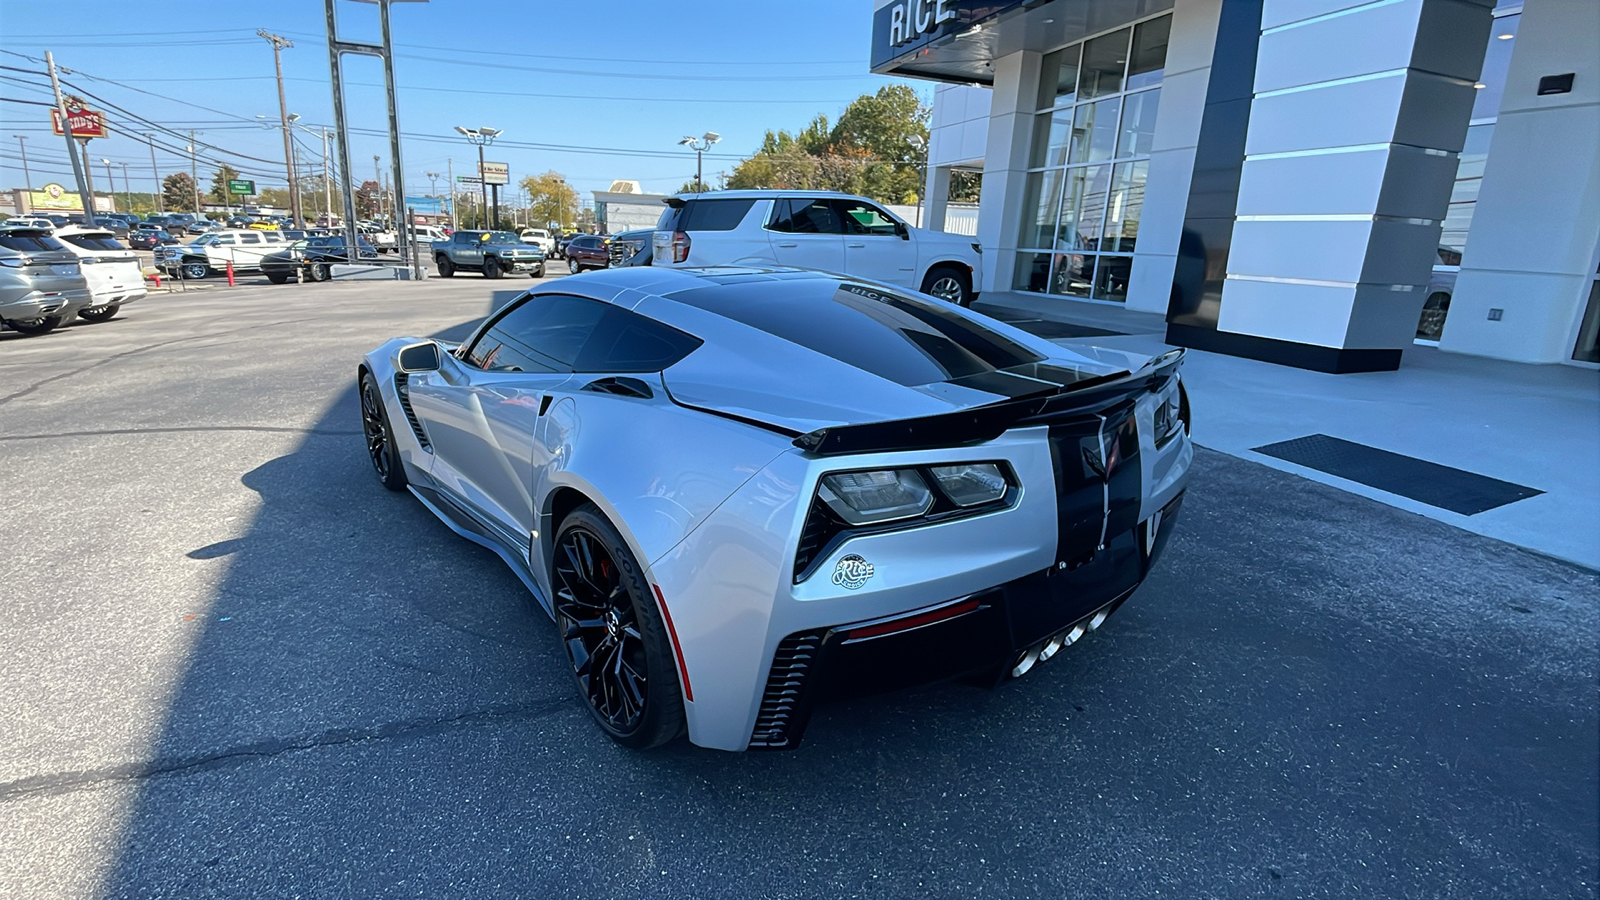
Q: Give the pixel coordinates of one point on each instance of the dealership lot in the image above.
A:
(235, 665)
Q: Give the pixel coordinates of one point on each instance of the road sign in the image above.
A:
(495, 173)
(236, 186)
(468, 179)
(86, 123)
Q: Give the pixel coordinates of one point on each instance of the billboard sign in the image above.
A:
(495, 173)
(86, 123)
(239, 186)
(55, 198)
(425, 206)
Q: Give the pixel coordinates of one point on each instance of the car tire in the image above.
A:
(100, 313)
(43, 325)
(277, 277)
(491, 268)
(319, 271)
(195, 270)
(573, 266)
(606, 613)
(537, 273)
(382, 450)
(948, 283)
(446, 267)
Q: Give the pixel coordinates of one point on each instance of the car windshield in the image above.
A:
(499, 237)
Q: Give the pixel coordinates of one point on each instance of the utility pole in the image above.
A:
(127, 189)
(194, 173)
(88, 177)
(161, 196)
(278, 43)
(27, 179)
(66, 126)
(450, 185)
(377, 183)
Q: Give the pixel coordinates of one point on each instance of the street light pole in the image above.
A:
(111, 183)
(278, 43)
(700, 146)
(482, 137)
(194, 173)
(27, 179)
(127, 189)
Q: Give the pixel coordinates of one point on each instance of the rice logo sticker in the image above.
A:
(852, 572)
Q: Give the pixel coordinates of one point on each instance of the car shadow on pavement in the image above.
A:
(376, 707)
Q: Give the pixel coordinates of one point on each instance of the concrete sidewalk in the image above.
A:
(1537, 426)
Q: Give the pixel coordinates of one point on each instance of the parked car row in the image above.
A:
(50, 275)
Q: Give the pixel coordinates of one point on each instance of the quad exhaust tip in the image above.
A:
(1054, 644)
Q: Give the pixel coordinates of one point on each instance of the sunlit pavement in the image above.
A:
(233, 665)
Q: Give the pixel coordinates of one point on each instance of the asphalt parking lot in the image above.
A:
(235, 666)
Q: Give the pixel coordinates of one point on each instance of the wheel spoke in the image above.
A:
(600, 629)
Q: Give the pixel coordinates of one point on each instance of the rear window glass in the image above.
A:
(92, 242)
(713, 215)
(905, 340)
(27, 242)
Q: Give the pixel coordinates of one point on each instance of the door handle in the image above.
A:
(855, 246)
(789, 244)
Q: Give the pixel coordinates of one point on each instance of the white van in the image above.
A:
(113, 271)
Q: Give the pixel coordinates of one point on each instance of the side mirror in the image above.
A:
(423, 357)
(901, 229)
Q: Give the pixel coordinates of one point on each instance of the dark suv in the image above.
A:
(588, 251)
(630, 248)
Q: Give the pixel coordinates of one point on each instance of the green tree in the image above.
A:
(550, 199)
(868, 151)
(177, 193)
(219, 184)
(369, 198)
(277, 198)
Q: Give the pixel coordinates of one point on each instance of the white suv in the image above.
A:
(823, 230)
(113, 271)
(210, 253)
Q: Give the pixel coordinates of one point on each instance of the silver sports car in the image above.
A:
(740, 492)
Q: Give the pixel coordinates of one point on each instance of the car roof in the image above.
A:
(766, 194)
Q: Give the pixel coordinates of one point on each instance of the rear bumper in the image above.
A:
(980, 638)
(37, 304)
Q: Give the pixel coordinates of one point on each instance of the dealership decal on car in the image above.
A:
(852, 571)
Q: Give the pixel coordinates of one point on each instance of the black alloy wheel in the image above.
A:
(621, 660)
(446, 267)
(381, 448)
(491, 268)
(43, 325)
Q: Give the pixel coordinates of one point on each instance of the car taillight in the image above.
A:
(680, 247)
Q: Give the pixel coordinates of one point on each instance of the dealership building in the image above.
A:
(1317, 183)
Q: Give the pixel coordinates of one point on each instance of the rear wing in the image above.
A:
(985, 423)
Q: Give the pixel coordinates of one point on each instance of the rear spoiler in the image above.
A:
(985, 423)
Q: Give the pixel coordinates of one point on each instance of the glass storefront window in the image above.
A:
(1058, 77)
(1105, 58)
(1149, 52)
(1043, 197)
(1138, 123)
(1089, 163)
(1127, 201)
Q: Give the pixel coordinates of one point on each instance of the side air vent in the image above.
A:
(814, 535)
(402, 387)
(781, 719)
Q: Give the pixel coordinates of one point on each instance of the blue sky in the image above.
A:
(609, 76)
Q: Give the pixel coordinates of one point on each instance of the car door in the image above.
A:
(806, 233)
(250, 249)
(468, 250)
(876, 246)
(481, 409)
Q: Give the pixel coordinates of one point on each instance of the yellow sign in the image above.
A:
(55, 197)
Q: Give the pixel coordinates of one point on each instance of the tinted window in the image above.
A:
(864, 218)
(906, 340)
(801, 216)
(221, 239)
(713, 215)
(461, 237)
(628, 342)
(249, 238)
(26, 242)
(93, 242)
(540, 334)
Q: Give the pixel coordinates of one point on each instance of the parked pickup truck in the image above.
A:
(493, 253)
